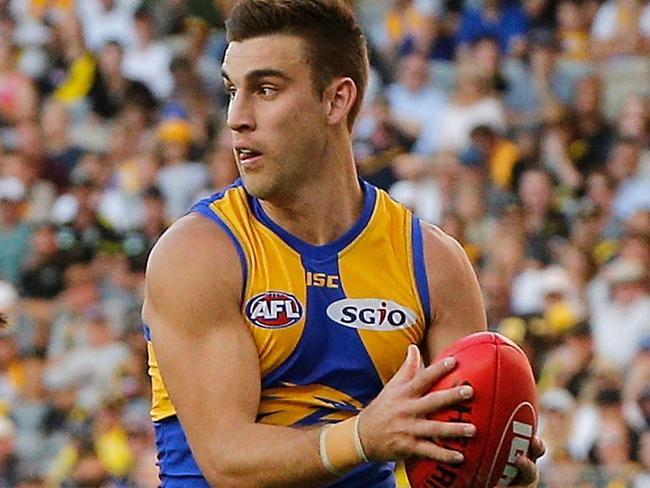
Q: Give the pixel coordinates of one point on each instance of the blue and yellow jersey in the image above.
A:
(331, 323)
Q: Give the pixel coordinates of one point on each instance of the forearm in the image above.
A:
(258, 455)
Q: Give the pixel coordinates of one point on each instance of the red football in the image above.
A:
(503, 409)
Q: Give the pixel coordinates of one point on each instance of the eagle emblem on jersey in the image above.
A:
(302, 405)
(274, 310)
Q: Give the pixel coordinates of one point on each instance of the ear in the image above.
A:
(339, 99)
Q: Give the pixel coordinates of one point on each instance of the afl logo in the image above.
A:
(274, 310)
(371, 314)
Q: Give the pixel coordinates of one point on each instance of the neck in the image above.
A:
(324, 206)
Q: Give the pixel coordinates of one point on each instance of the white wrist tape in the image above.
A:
(357, 441)
(340, 446)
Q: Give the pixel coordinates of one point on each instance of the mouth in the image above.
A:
(247, 157)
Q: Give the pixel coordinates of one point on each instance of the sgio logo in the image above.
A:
(274, 310)
(370, 314)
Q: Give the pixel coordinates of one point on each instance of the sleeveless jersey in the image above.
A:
(331, 323)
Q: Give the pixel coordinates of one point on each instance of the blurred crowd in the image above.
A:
(522, 128)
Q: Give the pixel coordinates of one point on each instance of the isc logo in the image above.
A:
(322, 280)
(370, 314)
(274, 310)
(520, 442)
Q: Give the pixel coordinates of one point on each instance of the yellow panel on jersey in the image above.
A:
(387, 243)
(401, 479)
(273, 267)
(161, 405)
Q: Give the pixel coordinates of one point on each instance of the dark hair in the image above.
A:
(482, 130)
(608, 396)
(114, 43)
(486, 37)
(336, 45)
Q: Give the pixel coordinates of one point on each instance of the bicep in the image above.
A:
(457, 307)
(205, 353)
(210, 374)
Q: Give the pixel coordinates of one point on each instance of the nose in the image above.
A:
(240, 113)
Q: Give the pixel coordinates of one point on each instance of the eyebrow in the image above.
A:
(258, 74)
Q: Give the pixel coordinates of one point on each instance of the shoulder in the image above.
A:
(441, 251)
(448, 268)
(193, 259)
(456, 303)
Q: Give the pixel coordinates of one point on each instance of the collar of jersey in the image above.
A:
(330, 249)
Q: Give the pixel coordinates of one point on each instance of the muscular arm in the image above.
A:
(456, 302)
(210, 366)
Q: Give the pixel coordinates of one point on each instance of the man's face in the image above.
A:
(623, 161)
(277, 120)
(626, 293)
(535, 190)
(414, 72)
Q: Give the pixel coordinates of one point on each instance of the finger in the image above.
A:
(434, 429)
(537, 448)
(528, 473)
(410, 366)
(435, 400)
(426, 377)
(430, 450)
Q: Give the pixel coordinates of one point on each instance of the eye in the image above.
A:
(267, 91)
(231, 91)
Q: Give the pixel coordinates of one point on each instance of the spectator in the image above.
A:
(147, 60)
(223, 168)
(542, 220)
(472, 104)
(486, 54)
(8, 459)
(90, 366)
(499, 155)
(633, 191)
(179, 179)
(42, 276)
(636, 391)
(55, 125)
(406, 24)
(621, 27)
(111, 90)
(612, 455)
(539, 86)
(503, 20)
(18, 99)
(568, 366)
(415, 104)
(620, 306)
(600, 193)
(556, 408)
(30, 409)
(14, 232)
(107, 20)
(194, 97)
(591, 140)
(573, 32)
(643, 478)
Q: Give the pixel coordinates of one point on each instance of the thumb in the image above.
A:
(410, 365)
